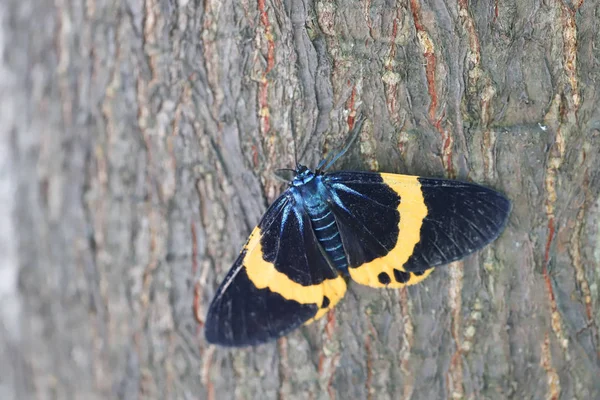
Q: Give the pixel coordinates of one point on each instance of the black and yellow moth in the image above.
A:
(381, 230)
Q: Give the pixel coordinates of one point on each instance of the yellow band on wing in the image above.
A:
(263, 274)
(412, 211)
(334, 292)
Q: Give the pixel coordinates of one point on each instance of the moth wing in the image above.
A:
(280, 280)
(395, 228)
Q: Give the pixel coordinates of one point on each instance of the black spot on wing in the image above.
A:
(242, 315)
(384, 278)
(289, 243)
(401, 276)
(461, 218)
(367, 218)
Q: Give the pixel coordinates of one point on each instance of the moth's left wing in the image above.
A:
(280, 280)
(395, 228)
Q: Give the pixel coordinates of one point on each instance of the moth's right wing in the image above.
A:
(395, 228)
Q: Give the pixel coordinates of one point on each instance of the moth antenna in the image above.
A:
(295, 142)
(285, 175)
(358, 122)
(279, 178)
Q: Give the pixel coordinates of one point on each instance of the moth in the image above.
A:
(378, 229)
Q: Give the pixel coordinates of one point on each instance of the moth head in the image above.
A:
(303, 175)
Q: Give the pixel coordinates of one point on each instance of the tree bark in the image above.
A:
(137, 145)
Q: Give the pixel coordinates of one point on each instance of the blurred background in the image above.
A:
(137, 145)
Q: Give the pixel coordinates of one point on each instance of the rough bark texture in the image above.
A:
(137, 142)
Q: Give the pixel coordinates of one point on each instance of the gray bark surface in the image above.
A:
(137, 146)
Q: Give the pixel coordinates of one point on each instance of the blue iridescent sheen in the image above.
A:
(310, 192)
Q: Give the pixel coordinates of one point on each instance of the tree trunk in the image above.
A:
(137, 145)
